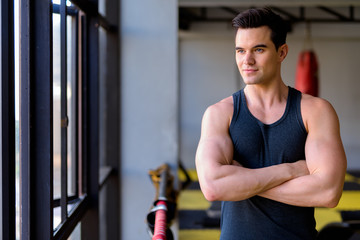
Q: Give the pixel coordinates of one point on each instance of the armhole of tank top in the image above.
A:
(235, 97)
(298, 111)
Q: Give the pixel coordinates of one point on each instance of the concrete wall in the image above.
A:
(338, 50)
(207, 74)
(149, 104)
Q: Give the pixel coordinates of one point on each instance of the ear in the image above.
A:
(283, 51)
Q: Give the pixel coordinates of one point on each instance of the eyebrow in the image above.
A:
(256, 46)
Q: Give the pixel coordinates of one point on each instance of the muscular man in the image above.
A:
(269, 152)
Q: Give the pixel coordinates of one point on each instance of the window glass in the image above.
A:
(56, 114)
(17, 114)
(71, 101)
(76, 234)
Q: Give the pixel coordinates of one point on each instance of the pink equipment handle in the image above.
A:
(160, 222)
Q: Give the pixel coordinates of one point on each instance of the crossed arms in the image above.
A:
(316, 182)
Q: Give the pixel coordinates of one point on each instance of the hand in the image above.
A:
(299, 168)
(236, 163)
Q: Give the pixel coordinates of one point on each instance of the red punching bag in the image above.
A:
(307, 73)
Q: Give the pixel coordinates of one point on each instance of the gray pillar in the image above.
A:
(149, 104)
(109, 104)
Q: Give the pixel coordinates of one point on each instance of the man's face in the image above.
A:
(256, 56)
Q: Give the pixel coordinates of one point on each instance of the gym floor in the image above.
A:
(199, 219)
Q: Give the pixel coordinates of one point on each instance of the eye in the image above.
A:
(259, 50)
(241, 51)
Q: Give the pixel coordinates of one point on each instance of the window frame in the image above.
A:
(7, 128)
(36, 137)
(73, 137)
(36, 123)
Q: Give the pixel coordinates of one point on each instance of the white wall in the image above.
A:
(212, 65)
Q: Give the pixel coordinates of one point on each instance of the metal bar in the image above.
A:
(286, 13)
(163, 184)
(92, 117)
(41, 132)
(302, 13)
(260, 3)
(104, 175)
(203, 13)
(230, 10)
(84, 105)
(75, 107)
(320, 20)
(71, 199)
(7, 149)
(66, 228)
(24, 134)
(336, 14)
(90, 222)
(64, 117)
(70, 10)
(36, 139)
(92, 11)
(88, 7)
(105, 24)
(312, 20)
(80, 98)
(351, 12)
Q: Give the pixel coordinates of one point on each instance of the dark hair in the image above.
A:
(258, 17)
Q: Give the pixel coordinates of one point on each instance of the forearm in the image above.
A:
(313, 190)
(325, 158)
(235, 183)
(326, 161)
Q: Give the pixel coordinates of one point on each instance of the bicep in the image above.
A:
(215, 141)
(215, 150)
(215, 146)
(324, 150)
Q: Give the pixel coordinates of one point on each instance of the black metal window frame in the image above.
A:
(37, 202)
(7, 127)
(36, 124)
(65, 11)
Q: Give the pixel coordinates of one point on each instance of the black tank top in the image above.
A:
(258, 145)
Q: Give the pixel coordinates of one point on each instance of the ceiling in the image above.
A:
(295, 12)
(245, 3)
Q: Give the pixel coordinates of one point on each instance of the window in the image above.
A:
(56, 125)
(49, 98)
(65, 111)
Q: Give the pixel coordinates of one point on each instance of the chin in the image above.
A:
(251, 82)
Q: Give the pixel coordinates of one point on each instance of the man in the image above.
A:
(270, 153)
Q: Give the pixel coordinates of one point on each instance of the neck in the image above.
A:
(266, 96)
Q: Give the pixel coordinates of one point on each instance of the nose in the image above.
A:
(249, 59)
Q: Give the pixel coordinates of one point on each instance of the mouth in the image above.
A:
(249, 70)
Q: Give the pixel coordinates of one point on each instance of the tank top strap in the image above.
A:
(295, 102)
(237, 102)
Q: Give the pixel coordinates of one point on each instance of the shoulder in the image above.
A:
(222, 108)
(315, 106)
(316, 111)
(219, 113)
